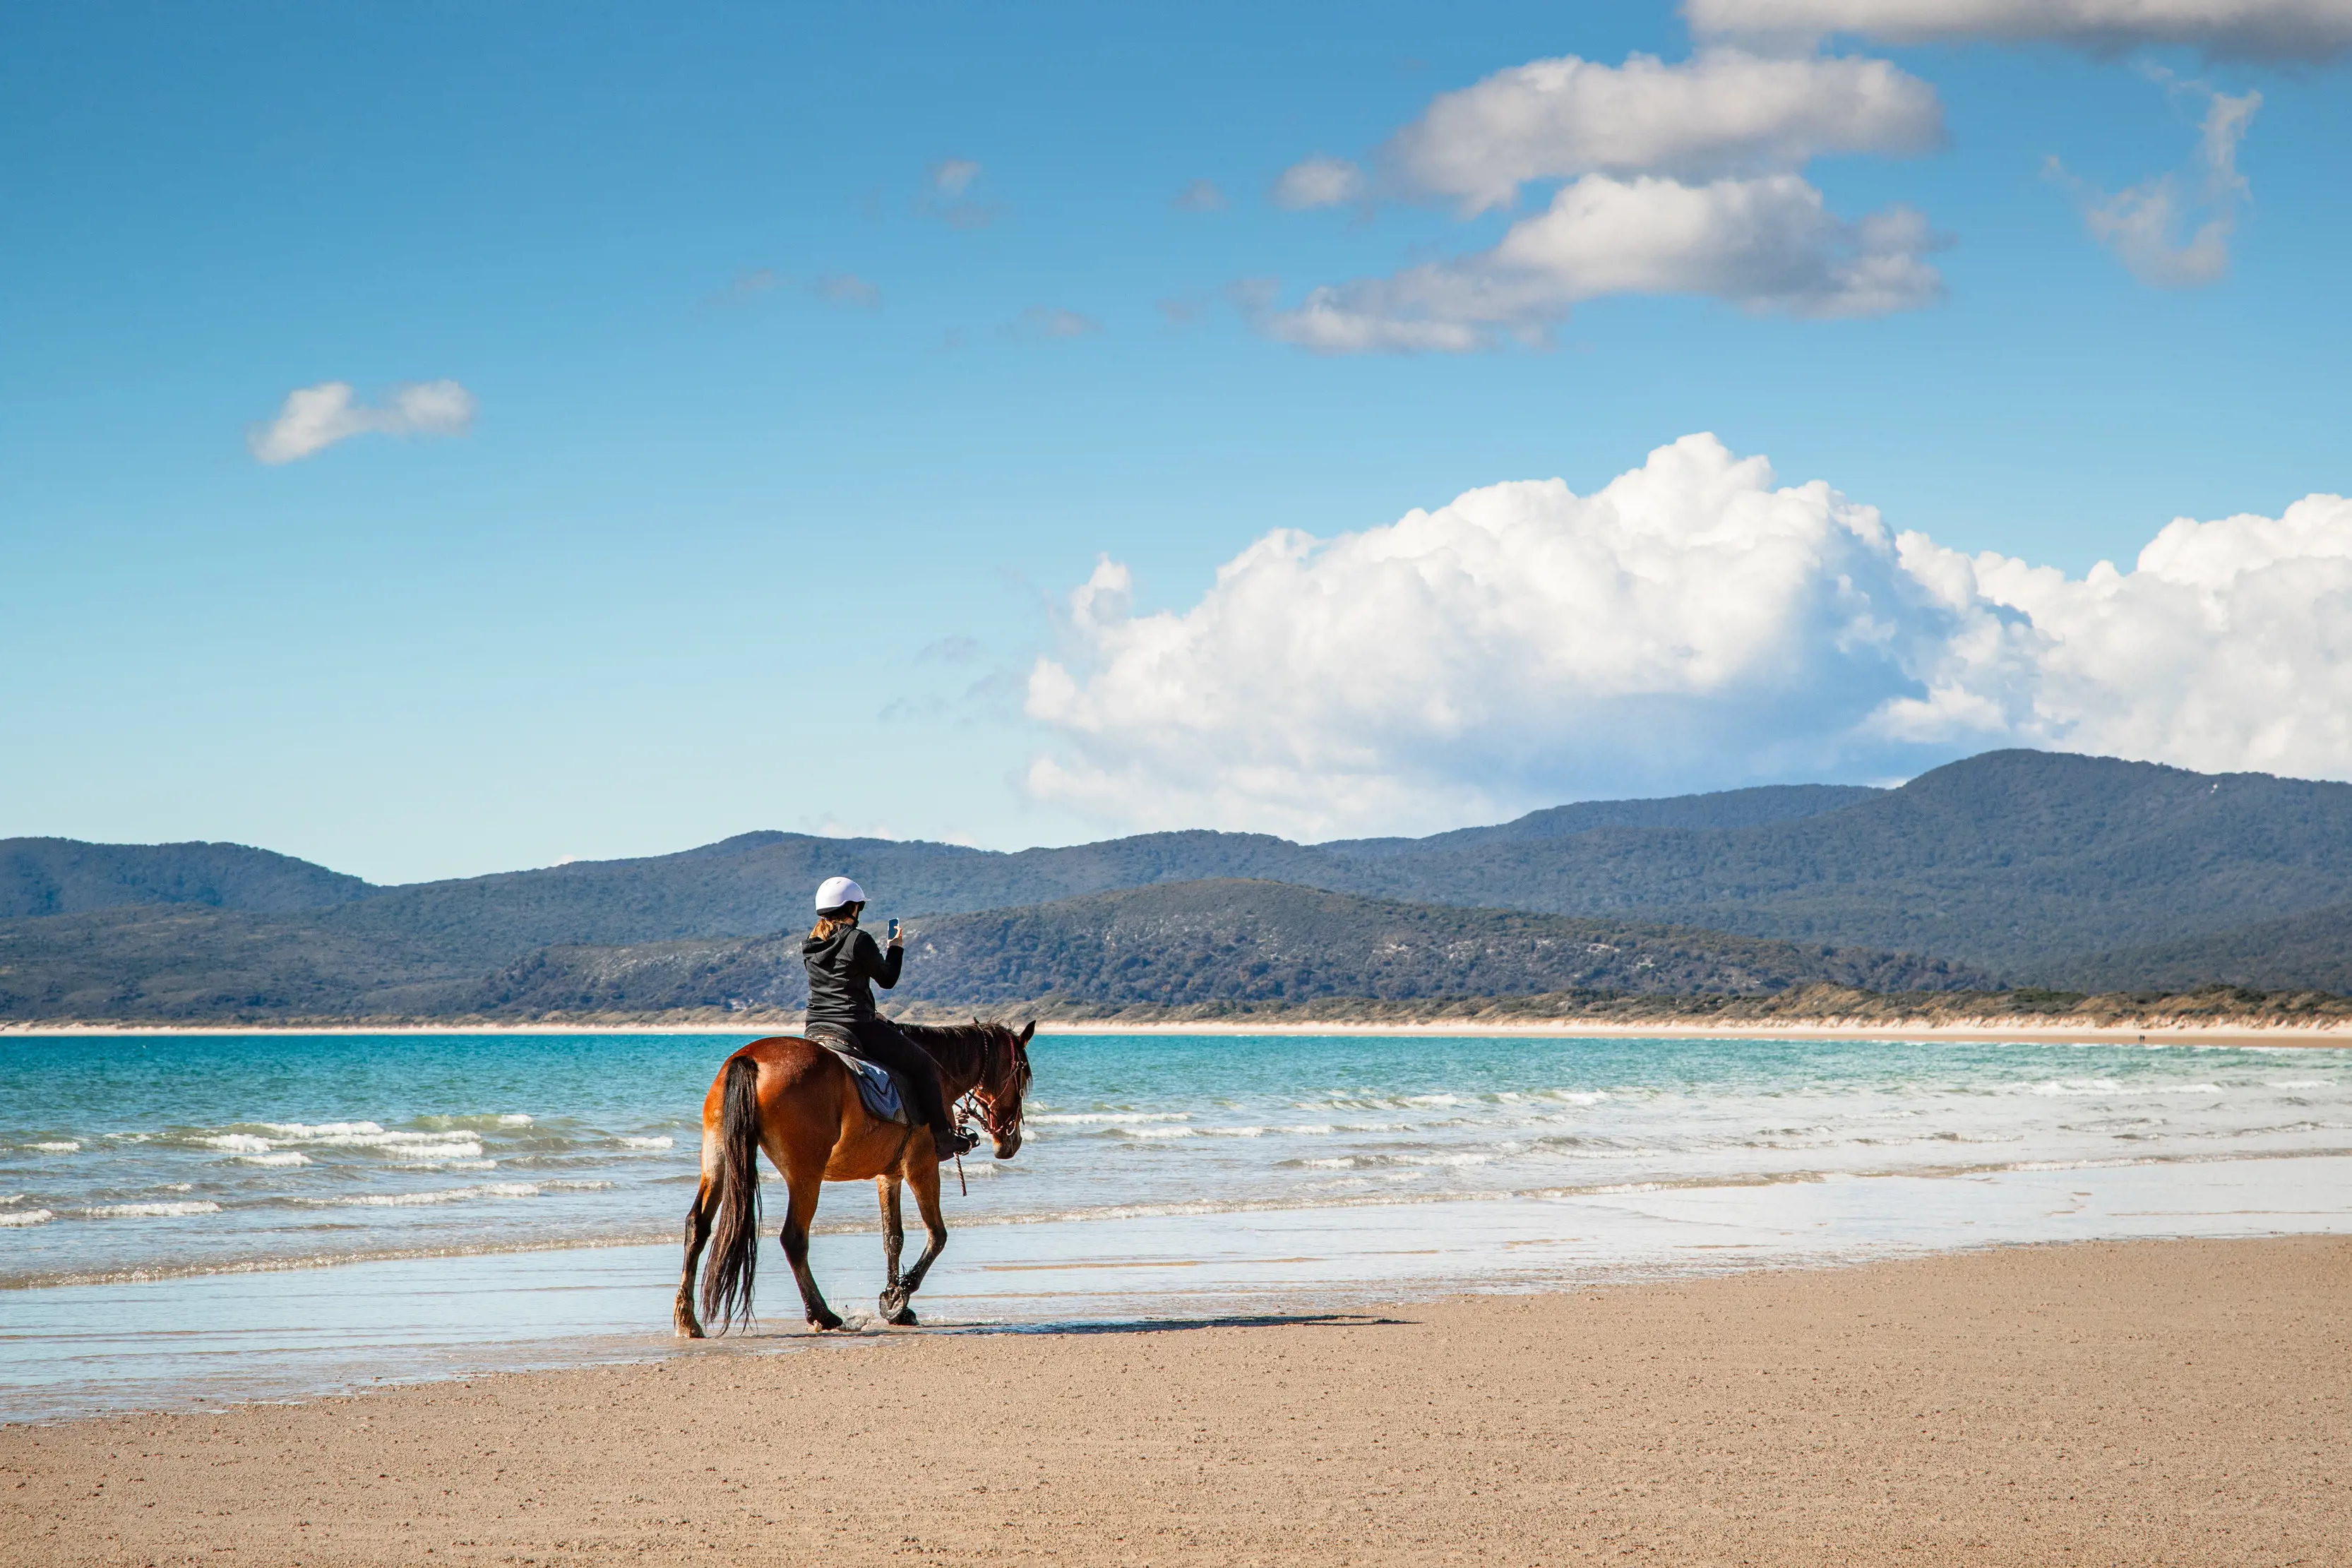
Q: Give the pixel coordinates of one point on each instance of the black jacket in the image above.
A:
(842, 970)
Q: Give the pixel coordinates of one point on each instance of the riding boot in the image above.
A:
(950, 1142)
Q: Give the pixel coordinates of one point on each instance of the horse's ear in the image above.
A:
(1027, 1030)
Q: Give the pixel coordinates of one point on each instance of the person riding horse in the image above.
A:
(843, 966)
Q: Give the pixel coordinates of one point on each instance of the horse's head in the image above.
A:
(1003, 1079)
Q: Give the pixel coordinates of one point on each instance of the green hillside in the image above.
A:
(66, 876)
(1222, 940)
(2038, 868)
(2313, 949)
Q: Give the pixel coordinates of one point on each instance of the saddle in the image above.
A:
(884, 1097)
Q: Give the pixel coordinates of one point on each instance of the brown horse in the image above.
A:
(795, 1100)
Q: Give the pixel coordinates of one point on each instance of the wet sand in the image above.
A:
(2170, 1402)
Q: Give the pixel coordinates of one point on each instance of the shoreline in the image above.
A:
(1996, 1030)
(2098, 1401)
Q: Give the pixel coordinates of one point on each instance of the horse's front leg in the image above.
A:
(804, 1186)
(894, 1240)
(697, 1232)
(924, 1176)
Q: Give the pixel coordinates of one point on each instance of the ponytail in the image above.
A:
(828, 925)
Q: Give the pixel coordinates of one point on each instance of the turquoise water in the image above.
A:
(141, 1178)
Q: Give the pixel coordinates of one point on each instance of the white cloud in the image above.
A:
(314, 418)
(1690, 625)
(1318, 182)
(952, 177)
(1047, 323)
(2273, 28)
(849, 292)
(2145, 225)
(1199, 196)
(1723, 112)
(954, 197)
(1766, 245)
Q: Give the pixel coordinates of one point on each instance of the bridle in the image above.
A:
(986, 1099)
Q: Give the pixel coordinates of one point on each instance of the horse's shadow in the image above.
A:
(863, 1328)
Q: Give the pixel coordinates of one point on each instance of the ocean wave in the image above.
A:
(647, 1142)
(55, 1146)
(1104, 1118)
(279, 1160)
(23, 1216)
(500, 1190)
(428, 1153)
(172, 1210)
(236, 1143)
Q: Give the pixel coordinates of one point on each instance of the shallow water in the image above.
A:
(161, 1185)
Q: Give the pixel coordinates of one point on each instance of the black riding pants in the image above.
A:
(878, 1039)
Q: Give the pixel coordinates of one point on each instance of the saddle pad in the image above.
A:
(877, 1084)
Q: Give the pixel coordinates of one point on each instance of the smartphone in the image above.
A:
(894, 930)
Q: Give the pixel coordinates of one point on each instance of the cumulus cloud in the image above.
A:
(1723, 112)
(2149, 227)
(1692, 622)
(1318, 182)
(314, 418)
(2255, 28)
(952, 177)
(1767, 245)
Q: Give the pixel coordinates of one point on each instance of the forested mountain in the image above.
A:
(2038, 867)
(2311, 951)
(1222, 940)
(66, 876)
(2014, 860)
(1725, 809)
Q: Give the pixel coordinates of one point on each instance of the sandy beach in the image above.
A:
(2170, 1402)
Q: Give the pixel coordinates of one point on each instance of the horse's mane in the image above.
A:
(960, 1048)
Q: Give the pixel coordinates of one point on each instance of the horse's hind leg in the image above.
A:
(895, 1309)
(697, 1232)
(795, 1237)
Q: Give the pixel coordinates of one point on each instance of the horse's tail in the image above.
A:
(735, 1239)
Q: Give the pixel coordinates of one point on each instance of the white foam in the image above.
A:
(151, 1211)
(2075, 1086)
(2299, 1083)
(649, 1142)
(1108, 1118)
(514, 1118)
(237, 1143)
(23, 1216)
(13, 1197)
(319, 1129)
(422, 1200)
(282, 1158)
(60, 1146)
(428, 1154)
(1156, 1131)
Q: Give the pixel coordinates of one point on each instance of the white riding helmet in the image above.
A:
(835, 892)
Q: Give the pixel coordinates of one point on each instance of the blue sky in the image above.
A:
(792, 433)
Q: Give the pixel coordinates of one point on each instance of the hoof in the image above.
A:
(897, 1312)
(824, 1325)
(689, 1331)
